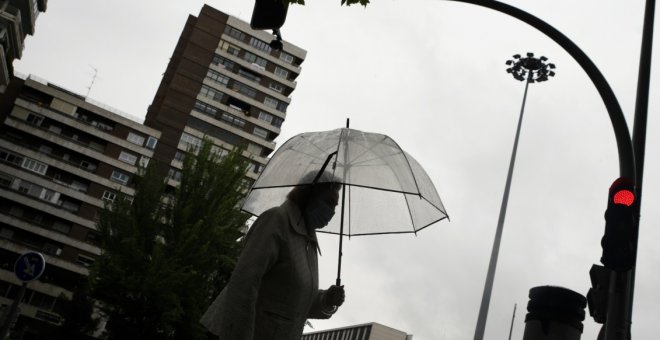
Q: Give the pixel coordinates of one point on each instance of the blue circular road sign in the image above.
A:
(29, 266)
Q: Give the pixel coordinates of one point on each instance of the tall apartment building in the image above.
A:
(17, 19)
(61, 157)
(369, 331)
(223, 82)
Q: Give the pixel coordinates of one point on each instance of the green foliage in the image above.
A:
(343, 2)
(165, 259)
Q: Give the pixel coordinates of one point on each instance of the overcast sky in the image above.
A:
(430, 74)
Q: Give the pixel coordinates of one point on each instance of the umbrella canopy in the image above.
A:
(386, 190)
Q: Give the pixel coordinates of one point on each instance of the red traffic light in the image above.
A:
(622, 192)
(624, 197)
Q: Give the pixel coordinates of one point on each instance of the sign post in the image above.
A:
(28, 267)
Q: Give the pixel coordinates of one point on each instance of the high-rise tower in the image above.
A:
(226, 83)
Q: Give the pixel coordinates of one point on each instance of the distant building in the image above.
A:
(61, 159)
(369, 331)
(17, 19)
(226, 83)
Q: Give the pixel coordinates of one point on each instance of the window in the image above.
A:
(249, 75)
(281, 106)
(190, 140)
(231, 49)
(144, 161)
(179, 156)
(217, 77)
(58, 130)
(277, 87)
(34, 119)
(206, 108)
(151, 142)
(108, 196)
(234, 33)
(85, 261)
(135, 139)
(233, 120)
(287, 58)
(271, 102)
(10, 158)
(222, 61)
(127, 158)
(119, 177)
(252, 58)
(5, 179)
(219, 151)
(210, 92)
(243, 89)
(70, 206)
(281, 72)
(277, 122)
(266, 117)
(263, 133)
(174, 175)
(61, 227)
(260, 44)
(34, 166)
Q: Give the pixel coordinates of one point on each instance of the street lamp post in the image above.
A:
(530, 70)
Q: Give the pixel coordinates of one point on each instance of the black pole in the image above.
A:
(341, 223)
(13, 312)
(341, 233)
(639, 132)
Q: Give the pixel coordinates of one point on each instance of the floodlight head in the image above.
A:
(551, 66)
(268, 14)
(530, 55)
(516, 56)
(509, 62)
(543, 58)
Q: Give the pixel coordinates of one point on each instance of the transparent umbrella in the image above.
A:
(384, 190)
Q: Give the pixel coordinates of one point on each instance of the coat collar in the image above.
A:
(297, 221)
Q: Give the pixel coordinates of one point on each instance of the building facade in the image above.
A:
(223, 82)
(63, 156)
(369, 331)
(61, 159)
(17, 20)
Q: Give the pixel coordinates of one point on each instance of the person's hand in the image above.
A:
(335, 296)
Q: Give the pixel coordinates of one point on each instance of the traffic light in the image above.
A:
(618, 240)
(269, 14)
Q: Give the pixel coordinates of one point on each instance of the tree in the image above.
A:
(166, 255)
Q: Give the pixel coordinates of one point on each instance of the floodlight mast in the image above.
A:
(530, 70)
(617, 325)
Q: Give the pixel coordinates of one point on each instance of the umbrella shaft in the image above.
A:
(341, 233)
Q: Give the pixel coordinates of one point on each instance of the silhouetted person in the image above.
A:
(274, 287)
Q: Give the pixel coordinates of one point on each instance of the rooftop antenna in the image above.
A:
(89, 88)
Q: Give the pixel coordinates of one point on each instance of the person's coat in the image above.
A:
(274, 287)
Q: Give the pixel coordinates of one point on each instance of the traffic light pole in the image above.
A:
(619, 318)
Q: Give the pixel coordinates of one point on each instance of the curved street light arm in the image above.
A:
(621, 132)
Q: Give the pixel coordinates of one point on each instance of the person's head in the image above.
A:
(317, 201)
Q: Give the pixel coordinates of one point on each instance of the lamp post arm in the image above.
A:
(621, 132)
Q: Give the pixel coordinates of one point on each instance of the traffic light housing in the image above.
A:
(269, 14)
(618, 242)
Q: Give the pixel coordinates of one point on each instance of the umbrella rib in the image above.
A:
(312, 144)
(369, 149)
(410, 167)
(383, 233)
(412, 221)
